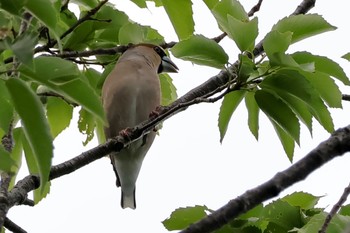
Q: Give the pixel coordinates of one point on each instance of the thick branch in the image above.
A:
(336, 145)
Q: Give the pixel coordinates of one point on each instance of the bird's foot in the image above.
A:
(126, 133)
(155, 112)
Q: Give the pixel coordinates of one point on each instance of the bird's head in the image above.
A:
(157, 55)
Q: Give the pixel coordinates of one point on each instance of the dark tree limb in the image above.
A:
(13, 226)
(346, 97)
(336, 145)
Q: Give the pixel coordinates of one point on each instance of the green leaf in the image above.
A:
(279, 112)
(33, 168)
(345, 210)
(23, 47)
(253, 114)
(228, 7)
(15, 6)
(243, 33)
(290, 82)
(135, 33)
(79, 38)
(183, 217)
(65, 79)
(169, 94)
(59, 114)
(247, 68)
(6, 162)
(201, 50)
(303, 26)
(283, 214)
(346, 56)
(301, 199)
(323, 65)
(180, 14)
(35, 126)
(339, 223)
(86, 125)
(210, 3)
(286, 140)
(6, 109)
(228, 106)
(16, 153)
(140, 3)
(276, 42)
(327, 88)
(45, 11)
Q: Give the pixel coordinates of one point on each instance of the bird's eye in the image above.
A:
(159, 51)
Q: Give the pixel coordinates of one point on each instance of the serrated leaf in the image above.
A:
(180, 14)
(278, 112)
(228, 106)
(6, 109)
(283, 214)
(59, 114)
(290, 82)
(339, 223)
(86, 125)
(243, 33)
(345, 210)
(286, 140)
(201, 50)
(168, 89)
(228, 7)
(65, 79)
(35, 126)
(325, 85)
(277, 42)
(303, 26)
(140, 3)
(183, 217)
(301, 199)
(6, 162)
(23, 47)
(323, 65)
(253, 114)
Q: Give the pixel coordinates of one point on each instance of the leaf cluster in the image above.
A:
(296, 212)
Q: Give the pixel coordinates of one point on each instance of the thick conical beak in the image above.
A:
(168, 65)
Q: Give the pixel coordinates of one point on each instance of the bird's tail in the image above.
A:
(128, 200)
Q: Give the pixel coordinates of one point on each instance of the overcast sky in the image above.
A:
(187, 165)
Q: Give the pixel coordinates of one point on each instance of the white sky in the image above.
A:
(187, 165)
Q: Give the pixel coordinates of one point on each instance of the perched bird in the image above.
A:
(130, 93)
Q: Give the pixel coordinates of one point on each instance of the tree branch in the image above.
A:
(86, 17)
(336, 145)
(335, 209)
(13, 226)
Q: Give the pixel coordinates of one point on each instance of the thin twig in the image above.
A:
(335, 209)
(255, 8)
(336, 145)
(72, 28)
(346, 97)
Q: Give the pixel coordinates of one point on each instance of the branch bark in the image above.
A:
(336, 145)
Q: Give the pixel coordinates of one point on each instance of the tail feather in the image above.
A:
(128, 201)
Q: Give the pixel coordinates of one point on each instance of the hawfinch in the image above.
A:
(130, 94)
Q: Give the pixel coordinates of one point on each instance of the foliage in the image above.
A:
(40, 85)
(293, 213)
